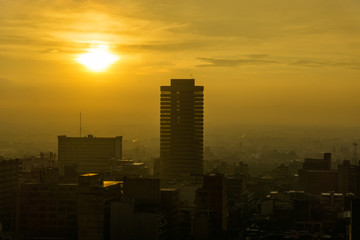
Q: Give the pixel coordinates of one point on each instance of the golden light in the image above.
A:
(97, 59)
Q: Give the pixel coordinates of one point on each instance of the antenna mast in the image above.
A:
(80, 124)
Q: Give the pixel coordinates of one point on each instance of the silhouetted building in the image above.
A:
(242, 168)
(129, 168)
(144, 190)
(181, 129)
(317, 177)
(33, 164)
(348, 178)
(235, 185)
(318, 164)
(355, 219)
(317, 181)
(48, 208)
(9, 178)
(170, 207)
(211, 208)
(131, 222)
(88, 154)
(138, 215)
(94, 199)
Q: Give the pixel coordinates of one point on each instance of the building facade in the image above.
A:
(181, 129)
(9, 178)
(88, 154)
(94, 199)
(210, 220)
(48, 208)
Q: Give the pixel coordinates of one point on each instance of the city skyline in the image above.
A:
(263, 63)
(106, 133)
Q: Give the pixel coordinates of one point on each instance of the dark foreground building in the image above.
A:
(181, 129)
(48, 208)
(9, 177)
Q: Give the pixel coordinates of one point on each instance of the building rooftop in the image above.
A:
(168, 189)
(89, 174)
(111, 183)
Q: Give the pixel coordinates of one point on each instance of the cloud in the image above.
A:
(264, 59)
(164, 46)
(321, 63)
(221, 62)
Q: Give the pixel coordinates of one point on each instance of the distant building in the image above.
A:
(317, 177)
(128, 168)
(181, 129)
(348, 178)
(235, 185)
(318, 164)
(9, 178)
(88, 154)
(317, 181)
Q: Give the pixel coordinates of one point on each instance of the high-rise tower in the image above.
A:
(181, 129)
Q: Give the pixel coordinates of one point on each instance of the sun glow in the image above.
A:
(97, 59)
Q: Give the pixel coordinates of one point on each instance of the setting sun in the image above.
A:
(97, 59)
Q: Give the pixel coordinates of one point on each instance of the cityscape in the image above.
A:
(180, 120)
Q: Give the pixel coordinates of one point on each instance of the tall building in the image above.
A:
(88, 154)
(181, 129)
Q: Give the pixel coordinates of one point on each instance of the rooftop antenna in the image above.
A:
(80, 124)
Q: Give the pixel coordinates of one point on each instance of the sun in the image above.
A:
(97, 59)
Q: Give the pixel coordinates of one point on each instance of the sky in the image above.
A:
(262, 62)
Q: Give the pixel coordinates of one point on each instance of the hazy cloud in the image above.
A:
(221, 62)
(264, 59)
(318, 63)
(164, 46)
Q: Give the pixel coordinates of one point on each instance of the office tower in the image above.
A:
(181, 129)
(9, 178)
(88, 154)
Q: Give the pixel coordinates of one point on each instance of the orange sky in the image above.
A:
(261, 62)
